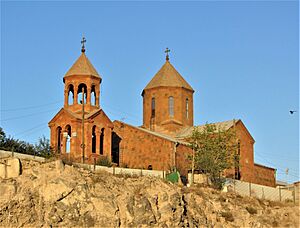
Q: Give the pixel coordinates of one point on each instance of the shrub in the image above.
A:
(227, 215)
(104, 161)
(251, 210)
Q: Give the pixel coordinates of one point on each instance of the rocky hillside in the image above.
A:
(52, 194)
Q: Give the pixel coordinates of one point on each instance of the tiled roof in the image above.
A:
(225, 125)
(82, 66)
(168, 76)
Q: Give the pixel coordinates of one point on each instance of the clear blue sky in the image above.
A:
(241, 58)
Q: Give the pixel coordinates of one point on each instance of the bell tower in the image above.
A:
(167, 101)
(82, 78)
(81, 131)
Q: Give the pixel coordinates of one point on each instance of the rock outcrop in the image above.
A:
(52, 194)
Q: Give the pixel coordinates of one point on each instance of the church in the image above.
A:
(82, 132)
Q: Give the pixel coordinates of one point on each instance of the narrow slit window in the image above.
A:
(187, 108)
(171, 106)
(153, 107)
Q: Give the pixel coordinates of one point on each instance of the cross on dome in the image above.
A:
(82, 42)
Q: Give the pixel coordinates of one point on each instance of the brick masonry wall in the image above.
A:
(183, 163)
(246, 153)
(139, 149)
(251, 172)
(162, 117)
(100, 121)
(264, 176)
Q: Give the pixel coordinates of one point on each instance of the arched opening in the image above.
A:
(70, 94)
(187, 108)
(101, 141)
(115, 148)
(94, 138)
(58, 140)
(81, 87)
(171, 106)
(153, 107)
(93, 95)
(237, 173)
(68, 139)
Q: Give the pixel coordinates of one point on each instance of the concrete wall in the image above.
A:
(4, 154)
(198, 178)
(126, 171)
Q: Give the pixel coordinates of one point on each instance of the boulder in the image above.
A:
(14, 168)
(10, 168)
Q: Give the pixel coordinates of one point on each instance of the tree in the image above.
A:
(215, 150)
(42, 148)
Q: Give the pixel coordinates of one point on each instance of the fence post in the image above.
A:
(279, 193)
(113, 170)
(250, 189)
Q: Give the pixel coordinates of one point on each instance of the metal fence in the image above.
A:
(260, 191)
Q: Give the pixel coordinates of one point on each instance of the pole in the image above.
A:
(193, 167)
(82, 133)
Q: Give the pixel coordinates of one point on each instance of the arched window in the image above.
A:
(68, 139)
(187, 108)
(93, 95)
(94, 139)
(153, 107)
(171, 106)
(81, 87)
(70, 94)
(101, 141)
(58, 139)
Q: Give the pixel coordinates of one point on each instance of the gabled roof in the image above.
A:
(82, 66)
(168, 76)
(225, 125)
(76, 115)
(61, 112)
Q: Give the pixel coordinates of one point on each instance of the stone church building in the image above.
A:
(82, 131)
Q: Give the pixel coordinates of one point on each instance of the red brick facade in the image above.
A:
(161, 120)
(159, 144)
(66, 126)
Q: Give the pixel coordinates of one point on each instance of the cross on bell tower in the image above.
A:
(167, 52)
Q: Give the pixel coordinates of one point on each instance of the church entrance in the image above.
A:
(115, 148)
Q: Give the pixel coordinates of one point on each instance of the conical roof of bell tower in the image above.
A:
(168, 76)
(82, 66)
